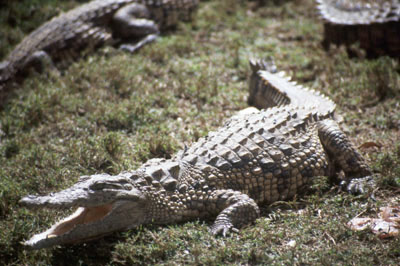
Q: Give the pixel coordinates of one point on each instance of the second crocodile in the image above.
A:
(91, 25)
(374, 24)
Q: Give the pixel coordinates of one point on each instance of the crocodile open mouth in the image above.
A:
(83, 215)
(67, 230)
(105, 204)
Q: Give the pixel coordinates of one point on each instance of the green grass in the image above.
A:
(112, 111)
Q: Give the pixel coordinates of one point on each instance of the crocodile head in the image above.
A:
(105, 204)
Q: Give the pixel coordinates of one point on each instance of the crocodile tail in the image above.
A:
(356, 12)
(271, 88)
(260, 96)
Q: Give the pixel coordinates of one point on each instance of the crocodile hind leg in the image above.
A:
(238, 209)
(134, 47)
(133, 21)
(345, 157)
(40, 62)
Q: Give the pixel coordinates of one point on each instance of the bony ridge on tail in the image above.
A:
(255, 158)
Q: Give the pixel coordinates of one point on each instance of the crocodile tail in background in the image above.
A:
(269, 88)
(375, 24)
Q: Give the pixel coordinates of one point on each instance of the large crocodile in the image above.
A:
(94, 24)
(375, 24)
(255, 158)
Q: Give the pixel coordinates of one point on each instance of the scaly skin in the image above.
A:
(375, 24)
(255, 158)
(91, 25)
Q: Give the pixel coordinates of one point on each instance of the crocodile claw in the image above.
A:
(223, 229)
(359, 185)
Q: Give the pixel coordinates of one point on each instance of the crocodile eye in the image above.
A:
(128, 187)
(97, 186)
(121, 181)
(104, 185)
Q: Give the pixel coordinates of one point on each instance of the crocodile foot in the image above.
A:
(222, 228)
(133, 48)
(359, 185)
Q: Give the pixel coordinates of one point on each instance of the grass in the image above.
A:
(112, 111)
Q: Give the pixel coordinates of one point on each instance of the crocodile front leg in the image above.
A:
(238, 209)
(134, 21)
(345, 157)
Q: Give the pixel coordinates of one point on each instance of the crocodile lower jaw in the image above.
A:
(82, 216)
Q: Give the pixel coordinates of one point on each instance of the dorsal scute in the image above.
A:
(159, 172)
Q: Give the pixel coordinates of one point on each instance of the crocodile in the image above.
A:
(374, 24)
(91, 25)
(266, 154)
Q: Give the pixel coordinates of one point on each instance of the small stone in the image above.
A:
(291, 243)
